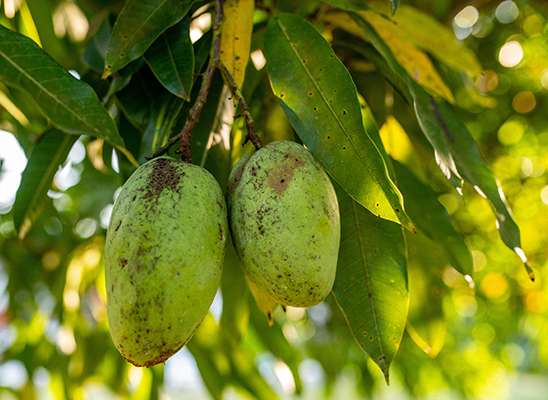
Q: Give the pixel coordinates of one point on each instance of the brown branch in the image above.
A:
(194, 114)
(239, 99)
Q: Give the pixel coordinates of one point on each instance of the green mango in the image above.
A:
(164, 254)
(285, 223)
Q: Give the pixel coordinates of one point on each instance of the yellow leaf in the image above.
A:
(236, 37)
(411, 58)
(430, 35)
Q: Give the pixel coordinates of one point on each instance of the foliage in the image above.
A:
(437, 148)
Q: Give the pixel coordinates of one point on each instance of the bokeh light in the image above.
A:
(487, 81)
(544, 79)
(532, 26)
(507, 12)
(511, 54)
(467, 17)
(494, 285)
(524, 102)
(511, 131)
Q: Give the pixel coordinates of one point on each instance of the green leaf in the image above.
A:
(171, 59)
(42, 12)
(431, 218)
(48, 154)
(71, 105)
(136, 98)
(94, 52)
(349, 4)
(320, 99)
(165, 110)
(456, 151)
(371, 283)
(138, 26)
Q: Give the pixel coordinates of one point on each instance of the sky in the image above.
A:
(14, 162)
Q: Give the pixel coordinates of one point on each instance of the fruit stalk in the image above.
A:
(194, 114)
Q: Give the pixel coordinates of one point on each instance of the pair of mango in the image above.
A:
(167, 237)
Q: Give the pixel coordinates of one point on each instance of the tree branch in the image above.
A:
(194, 114)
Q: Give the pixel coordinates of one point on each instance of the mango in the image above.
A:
(164, 253)
(285, 223)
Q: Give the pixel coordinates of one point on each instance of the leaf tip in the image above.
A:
(24, 228)
(394, 6)
(106, 74)
(386, 375)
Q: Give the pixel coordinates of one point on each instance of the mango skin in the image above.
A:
(285, 223)
(164, 253)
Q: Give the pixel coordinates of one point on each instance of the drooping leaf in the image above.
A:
(41, 12)
(165, 110)
(236, 37)
(427, 33)
(320, 99)
(370, 125)
(48, 154)
(456, 151)
(95, 50)
(415, 61)
(432, 219)
(136, 98)
(171, 59)
(70, 104)
(371, 283)
(138, 26)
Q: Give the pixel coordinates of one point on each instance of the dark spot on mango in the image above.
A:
(163, 176)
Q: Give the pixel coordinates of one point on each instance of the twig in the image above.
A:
(194, 114)
(239, 99)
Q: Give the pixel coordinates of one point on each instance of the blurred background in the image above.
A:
(480, 340)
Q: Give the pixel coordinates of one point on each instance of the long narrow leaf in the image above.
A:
(426, 32)
(236, 37)
(371, 283)
(412, 58)
(171, 58)
(50, 152)
(320, 99)
(456, 150)
(138, 26)
(70, 104)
